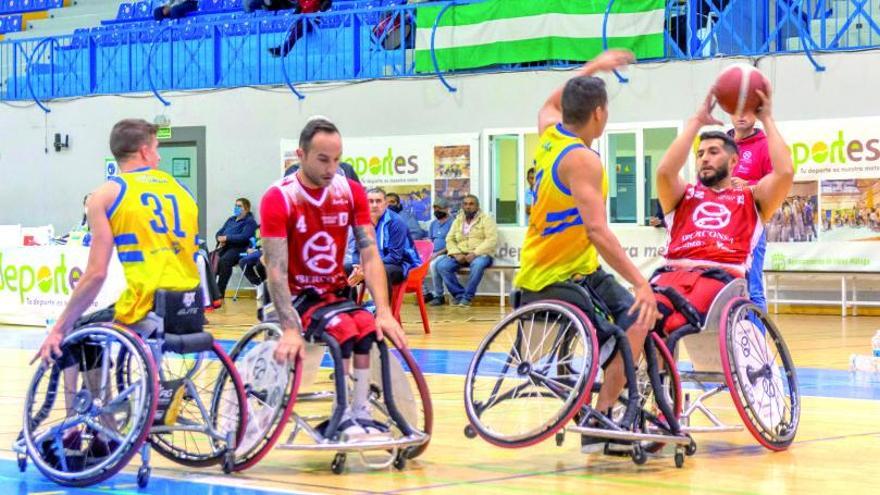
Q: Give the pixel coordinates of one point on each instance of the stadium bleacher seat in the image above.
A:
(142, 10)
(125, 12)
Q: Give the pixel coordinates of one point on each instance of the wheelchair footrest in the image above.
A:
(361, 446)
(629, 435)
(185, 344)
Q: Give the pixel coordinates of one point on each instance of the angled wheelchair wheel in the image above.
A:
(410, 393)
(760, 373)
(670, 388)
(80, 429)
(270, 389)
(531, 374)
(203, 408)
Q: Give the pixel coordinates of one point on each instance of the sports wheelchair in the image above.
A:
(537, 370)
(156, 380)
(733, 345)
(398, 395)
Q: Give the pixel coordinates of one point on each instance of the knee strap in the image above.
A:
(321, 315)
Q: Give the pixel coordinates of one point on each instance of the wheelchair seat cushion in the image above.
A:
(182, 312)
(685, 295)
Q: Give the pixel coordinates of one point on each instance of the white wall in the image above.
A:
(244, 126)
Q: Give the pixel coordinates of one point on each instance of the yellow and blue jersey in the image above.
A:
(556, 244)
(155, 227)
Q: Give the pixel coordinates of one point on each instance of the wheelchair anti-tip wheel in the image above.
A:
(79, 427)
(271, 392)
(760, 373)
(531, 374)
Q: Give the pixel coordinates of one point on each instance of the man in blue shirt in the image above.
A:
(438, 230)
(406, 214)
(395, 245)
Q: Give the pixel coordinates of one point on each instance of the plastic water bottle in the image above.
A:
(875, 344)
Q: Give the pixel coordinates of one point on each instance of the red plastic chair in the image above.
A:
(413, 284)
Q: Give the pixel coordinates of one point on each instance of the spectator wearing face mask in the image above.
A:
(233, 239)
(437, 232)
(412, 224)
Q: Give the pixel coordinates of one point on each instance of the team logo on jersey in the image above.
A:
(319, 253)
(747, 156)
(343, 218)
(189, 299)
(712, 216)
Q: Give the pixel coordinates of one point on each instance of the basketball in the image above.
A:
(736, 88)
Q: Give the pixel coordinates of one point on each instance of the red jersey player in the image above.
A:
(714, 224)
(306, 218)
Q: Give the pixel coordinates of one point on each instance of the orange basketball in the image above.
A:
(736, 88)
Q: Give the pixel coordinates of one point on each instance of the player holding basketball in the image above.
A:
(715, 223)
(306, 219)
(568, 228)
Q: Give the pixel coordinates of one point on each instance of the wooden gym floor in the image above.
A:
(837, 447)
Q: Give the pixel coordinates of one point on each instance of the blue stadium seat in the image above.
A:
(125, 12)
(142, 10)
(26, 5)
(41, 4)
(54, 4)
(232, 5)
(2, 25)
(11, 5)
(13, 23)
(210, 5)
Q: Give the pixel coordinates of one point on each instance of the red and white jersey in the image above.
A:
(316, 223)
(714, 228)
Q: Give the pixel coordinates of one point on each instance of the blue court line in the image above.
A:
(32, 482)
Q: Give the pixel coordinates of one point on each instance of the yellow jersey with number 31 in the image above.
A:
(155, 227)
(556, 246)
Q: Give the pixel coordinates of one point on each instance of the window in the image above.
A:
(657, 141)
(623, 196)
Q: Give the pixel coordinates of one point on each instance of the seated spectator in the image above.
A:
(271, 5)
(175, 9)
(392, 237)
(300, 26)
(412, 224)
(471, 242)
(438, 231)
(531, 190)
(233, 240)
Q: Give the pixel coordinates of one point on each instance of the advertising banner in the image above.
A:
(36, 282)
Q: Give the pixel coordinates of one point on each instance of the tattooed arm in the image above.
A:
(374, 274)
(291, 344)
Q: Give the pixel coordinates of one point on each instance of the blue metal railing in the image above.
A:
(232, 50)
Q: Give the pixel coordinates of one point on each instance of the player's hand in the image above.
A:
(470, 258)
(290, 347)
(460, 258)
(50, 349)
(221, 238)
(386, 325)
(765, 109)
(357, 275)
(609, 60)
(704, 112)
(645, 306)
(739, 183)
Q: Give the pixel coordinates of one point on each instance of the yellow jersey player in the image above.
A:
(568, 228)
(150, 218)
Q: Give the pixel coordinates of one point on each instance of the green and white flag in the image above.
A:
(516, 31)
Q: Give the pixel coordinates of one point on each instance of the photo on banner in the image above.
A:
(452, 171)
(850, 211)
(415, 199)
(796, 220)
